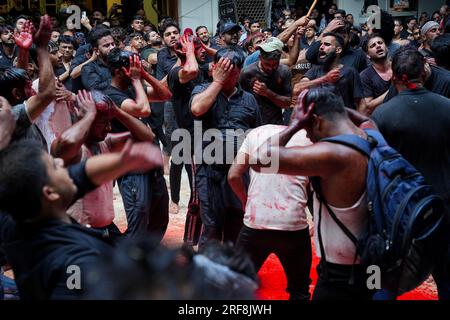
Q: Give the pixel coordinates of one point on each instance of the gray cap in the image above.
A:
(428, 26)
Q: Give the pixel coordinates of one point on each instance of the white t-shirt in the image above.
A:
(275, 201)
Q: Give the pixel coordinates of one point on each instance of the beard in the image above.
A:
(157, 43)
(328, 60)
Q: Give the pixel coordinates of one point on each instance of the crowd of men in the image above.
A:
(84, 109)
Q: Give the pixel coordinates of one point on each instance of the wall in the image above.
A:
(194, 13)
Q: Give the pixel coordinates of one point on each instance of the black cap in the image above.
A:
(230, 26)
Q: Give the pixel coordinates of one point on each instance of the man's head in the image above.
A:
(7, 36)
(398, 27)
(329, 110)
(267, 32)
(430, 31)
(330, 50)
(203, 33)
(55, 22)
(416, 33)
(170, 32)
(98, 16)
(332, 10)
(138, 23)
(255, 26)
(105, 113)
(67, 47)
(443, 10)
(252, 43)
(340, 14)
(344, 32)
(55, 35)
(310, 32)
(200, 52)
(230, 33)
(436, 16)
(34, 186)
(408, 67)
(117, 60)
(102, 41)
(119, 35)
(441, 50)
(19, 23)
(154, 39)
(350, 18)
(137, 40)
(375, 48)
(55, 55)
(15, 86)
(237, 59)
(411, 22)
(270, 55)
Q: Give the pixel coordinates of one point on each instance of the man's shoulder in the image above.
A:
(367, 73)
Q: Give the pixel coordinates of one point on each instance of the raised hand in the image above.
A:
(7, 123)
(302, 114)
(221, 70)
(86, 104)
(134, 70)
(332, 76)
(141, 156)
(334, 25)
(62, 94)
(43, 35)
(24, 39)
(209, 51)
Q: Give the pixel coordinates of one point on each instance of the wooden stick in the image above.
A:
(312, 8)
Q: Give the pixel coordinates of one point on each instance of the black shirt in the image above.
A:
(118, 97)
(355, 58)
(95, 75)
(438, 82)
(181, 95)
(7, 61)
(279, 82)
(240, 111)
(166, 61)
(373, 85)
(349, 85)
(416, 123)
(40, 253)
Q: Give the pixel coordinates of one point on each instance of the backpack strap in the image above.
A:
(354, 142)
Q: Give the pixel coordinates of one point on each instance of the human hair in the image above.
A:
(236, 56)
(66, 39)
(118, 59)
(342, 12)
(119, 34)
(409, 62)
(249, 42)
(12, 78)
(327, 103)
(52, 46)
(253, 22)
(23, 174)
(5, 28)
(200, 27)
(137, 17)
(167, 24)
(365, 44)
(345, 29)
(97, 33)
(441, 50)
(99, 10)
(411, 19)
(339, 40)
(20, 17)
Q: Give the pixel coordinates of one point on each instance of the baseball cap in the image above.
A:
(272, 44)
(428, 26)
(230, 26)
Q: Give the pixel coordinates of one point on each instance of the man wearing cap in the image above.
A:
(429, 32)
(230, 34)
(269, 81)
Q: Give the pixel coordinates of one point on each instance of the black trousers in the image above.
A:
(334, 282)
(221, 211)
(293, 249)
(146, 203)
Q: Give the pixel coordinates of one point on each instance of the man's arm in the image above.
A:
(7, 123)
(158, 90)
(372, 103)
(286, 34)
(331, 77)
(189, 70)
(281, 101)
(294, 51)
(140, 107)
(46, 93)
(235, 176)
(68, 145)
(203, 101)
(138, 131)
(77, 71)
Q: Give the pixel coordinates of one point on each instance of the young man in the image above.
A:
(136, 43)
(322, 114)
(222, 105)
(415, 123)
(89, 137)
(8, 48)
(398, 29)
(376, 79)
(275, 213)
(229, 34)
(41, 242)
(95, 75)
(408, 33)
(332, 71)
(269, 81)
(67, 48)
(137, 24)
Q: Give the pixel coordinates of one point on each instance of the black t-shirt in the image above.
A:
(373, 85)
(349, 85)
(239, 112)
(6, 61)
(166, 61)
(438, 82)
(181, 95)
(279, 82)
(118, 97)
(416, 123)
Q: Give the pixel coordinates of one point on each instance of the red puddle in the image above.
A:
(273, 283)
